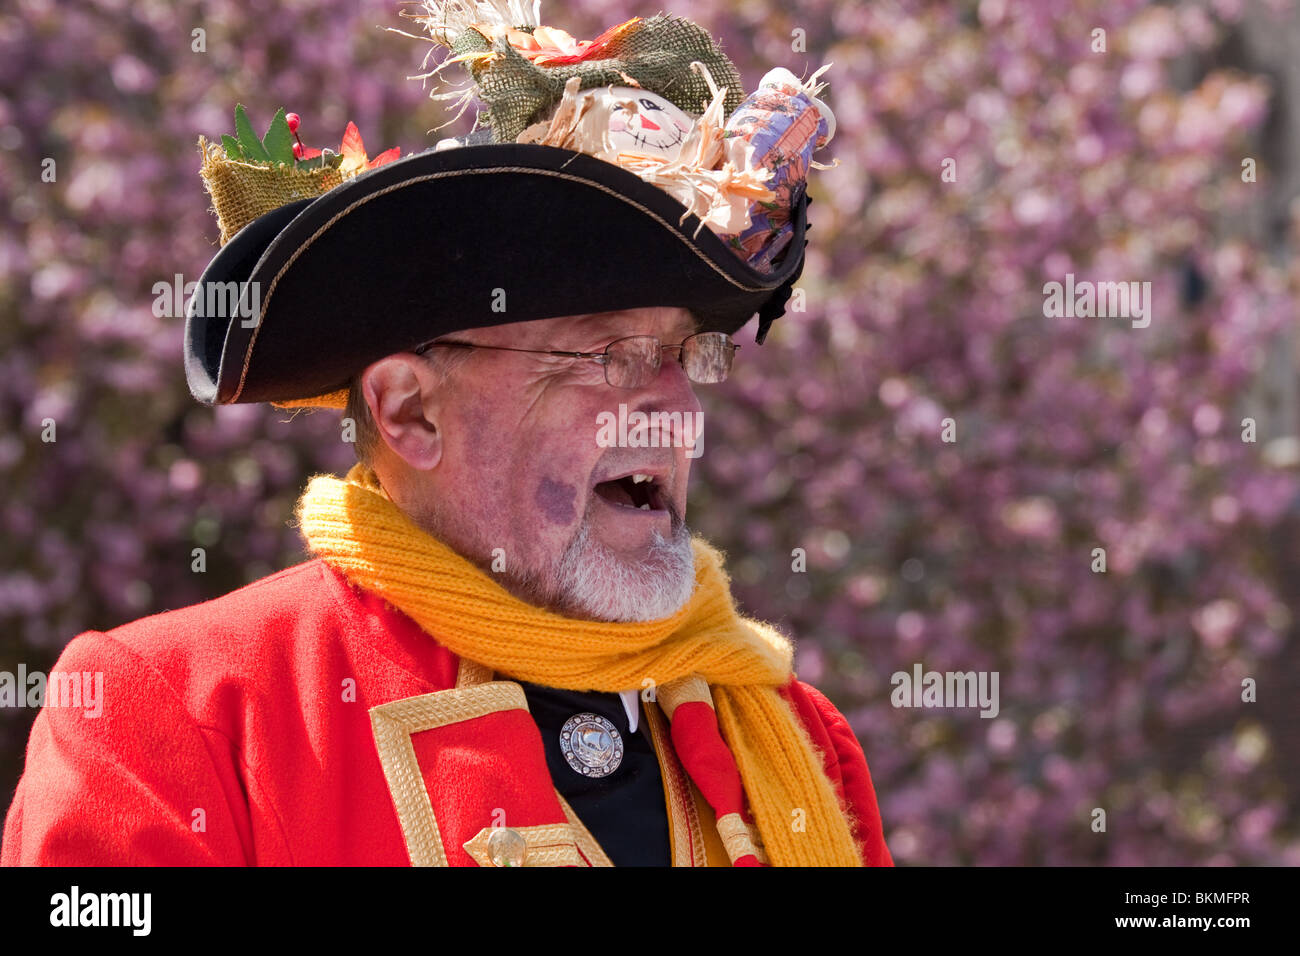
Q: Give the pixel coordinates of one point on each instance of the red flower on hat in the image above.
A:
(354, 153)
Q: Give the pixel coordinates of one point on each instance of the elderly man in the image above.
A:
(507, 649)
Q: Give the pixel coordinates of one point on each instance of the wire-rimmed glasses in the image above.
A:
(634, 361)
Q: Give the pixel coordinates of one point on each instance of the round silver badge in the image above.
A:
(591, 745)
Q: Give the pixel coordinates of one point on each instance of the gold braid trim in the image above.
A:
(394, 723)
(548, 844)
(684, 691)
(337, 399)
(684, 830)
(740, 838)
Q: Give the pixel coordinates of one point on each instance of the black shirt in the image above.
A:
(625, 811)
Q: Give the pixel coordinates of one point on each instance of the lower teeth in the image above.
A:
(646, 506)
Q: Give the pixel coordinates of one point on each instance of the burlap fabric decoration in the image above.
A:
(242, 192)
(656, 53)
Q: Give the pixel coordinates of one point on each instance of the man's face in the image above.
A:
(525, 477)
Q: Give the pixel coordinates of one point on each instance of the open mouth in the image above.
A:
(638, 491)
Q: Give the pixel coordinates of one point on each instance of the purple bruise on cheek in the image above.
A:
(555, 501)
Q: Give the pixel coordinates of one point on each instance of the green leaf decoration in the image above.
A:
(278, 141)
(232, 147)
(249, 143)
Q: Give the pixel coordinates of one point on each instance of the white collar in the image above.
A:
(632, 707)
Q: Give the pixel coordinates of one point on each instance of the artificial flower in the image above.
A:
(354, 154)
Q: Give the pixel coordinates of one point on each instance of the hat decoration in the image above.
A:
(637, 130)
(733, 161)
(644, 95)
(249, 176)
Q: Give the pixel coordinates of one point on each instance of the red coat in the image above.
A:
(240, 731)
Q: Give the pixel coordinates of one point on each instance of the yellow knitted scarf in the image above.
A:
(356, 528)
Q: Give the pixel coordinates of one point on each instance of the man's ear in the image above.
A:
(400, 391)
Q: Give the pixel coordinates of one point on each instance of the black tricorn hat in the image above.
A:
(304, 297)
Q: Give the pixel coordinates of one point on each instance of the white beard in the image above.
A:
(595, 581)
(591, 581)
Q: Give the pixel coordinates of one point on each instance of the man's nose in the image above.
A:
(671, 389)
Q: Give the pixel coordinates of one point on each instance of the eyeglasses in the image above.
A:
(635, 361)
